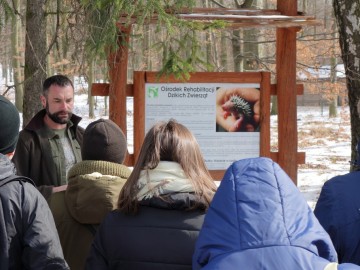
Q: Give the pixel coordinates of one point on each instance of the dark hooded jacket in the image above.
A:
(258, 219)
(28, 237)
(338, 210)
(161, 236)
(93, 191)
(33, 156)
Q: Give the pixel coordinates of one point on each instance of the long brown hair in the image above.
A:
(169, 141)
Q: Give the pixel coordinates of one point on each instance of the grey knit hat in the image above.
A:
(9, 126)
(104, 140)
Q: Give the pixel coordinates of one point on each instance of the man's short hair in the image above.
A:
(59, 80)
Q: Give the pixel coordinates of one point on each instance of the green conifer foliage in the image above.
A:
(180, 45)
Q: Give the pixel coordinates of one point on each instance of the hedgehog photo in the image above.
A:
(238, 107)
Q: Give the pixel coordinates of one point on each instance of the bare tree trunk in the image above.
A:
(90, 78)
(346, 13)
(237, 50)
(333, 107)
(274, 105)
(209, 40)
(242, 53)
(146, 45)
(224, 52)
(333, 77)
(35, 57)
(16, 58)
(251, 47)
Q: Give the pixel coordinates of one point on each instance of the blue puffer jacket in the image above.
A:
(259, 220)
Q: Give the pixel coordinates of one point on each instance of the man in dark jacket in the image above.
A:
(51, 142)
(28, 237)
(338, 210)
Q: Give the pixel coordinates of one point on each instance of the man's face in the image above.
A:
(59, 103)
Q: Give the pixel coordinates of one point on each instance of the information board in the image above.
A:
(228, 119)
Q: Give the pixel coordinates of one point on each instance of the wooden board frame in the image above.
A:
(262, 78)
(285, 88)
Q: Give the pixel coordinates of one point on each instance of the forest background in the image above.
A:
(41, 37)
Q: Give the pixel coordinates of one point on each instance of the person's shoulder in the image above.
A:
(35, 123)
(75, 119)
(19, 185)
(57, 204)
(80, 129)
(11, 179)
(115, 217)
(350, 178)
(25, 134)
(125, 170)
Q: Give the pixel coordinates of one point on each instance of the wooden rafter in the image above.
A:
(237, 18)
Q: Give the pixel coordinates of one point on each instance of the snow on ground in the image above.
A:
(326, 142)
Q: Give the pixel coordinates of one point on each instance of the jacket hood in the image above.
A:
(93, 189)
(257, 206)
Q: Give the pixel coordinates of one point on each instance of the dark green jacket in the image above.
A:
(33, 155)
(92, 192)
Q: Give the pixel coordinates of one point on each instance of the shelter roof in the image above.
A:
(240, 18)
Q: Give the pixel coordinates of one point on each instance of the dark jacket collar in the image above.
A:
(175, 201)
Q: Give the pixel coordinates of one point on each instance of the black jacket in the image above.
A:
(28, 236)
(338, 210)
(161, 236)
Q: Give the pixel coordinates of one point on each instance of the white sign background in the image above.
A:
(194, 105)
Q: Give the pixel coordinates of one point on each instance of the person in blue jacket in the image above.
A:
(258, 219)
(338, 210)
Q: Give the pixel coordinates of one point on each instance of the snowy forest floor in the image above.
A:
(326, 142)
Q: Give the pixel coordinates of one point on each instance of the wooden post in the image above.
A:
(118, 63)
(286, 91)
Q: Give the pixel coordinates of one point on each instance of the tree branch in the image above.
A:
(56, 33)
(217, 3)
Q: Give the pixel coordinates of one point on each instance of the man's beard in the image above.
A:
(55, 116)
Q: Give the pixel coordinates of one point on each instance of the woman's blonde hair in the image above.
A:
(169, 141)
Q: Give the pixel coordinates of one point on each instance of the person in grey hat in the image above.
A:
(94, 185)
(28, 236)
(50, 144)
